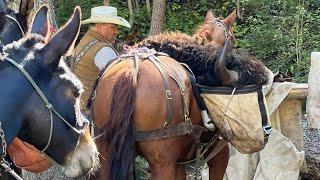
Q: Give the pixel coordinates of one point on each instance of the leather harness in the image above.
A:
(184, 128)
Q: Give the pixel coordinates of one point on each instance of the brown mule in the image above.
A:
(124, 105)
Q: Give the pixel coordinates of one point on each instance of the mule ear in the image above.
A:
(26, 7)
(63, 39)
(209, 16)
(40, 23)
(3, 6)
(231, 18)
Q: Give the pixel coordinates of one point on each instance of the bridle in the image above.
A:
(48, 106)
(227, 30)
(40, 93)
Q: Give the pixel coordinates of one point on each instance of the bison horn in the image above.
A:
(227, 77)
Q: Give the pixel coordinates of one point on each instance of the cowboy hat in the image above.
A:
(106, 14)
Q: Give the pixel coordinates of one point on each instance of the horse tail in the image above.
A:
(119, 127)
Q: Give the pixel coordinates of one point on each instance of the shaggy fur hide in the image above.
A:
(200, 56)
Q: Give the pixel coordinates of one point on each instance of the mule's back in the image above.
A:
(144, 102)
(150, 94)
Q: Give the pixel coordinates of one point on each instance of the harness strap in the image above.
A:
(195, 88)
(181, 85)
(265, 124)
(162, 133)
(221, 144)
(167, 91)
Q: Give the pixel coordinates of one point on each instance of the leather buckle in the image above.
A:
(164, 133)
(267, 130)
(168, 94)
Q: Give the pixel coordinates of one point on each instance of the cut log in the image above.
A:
(278, 94)
(313, 99)
(291, 126)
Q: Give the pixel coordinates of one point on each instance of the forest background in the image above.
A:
(281, 33)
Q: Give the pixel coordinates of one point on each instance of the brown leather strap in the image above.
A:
(163, 133)
(182, 88)
(167, 91)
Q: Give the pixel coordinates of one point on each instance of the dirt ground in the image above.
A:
(312, 152)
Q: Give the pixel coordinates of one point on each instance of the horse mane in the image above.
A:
(200, 55)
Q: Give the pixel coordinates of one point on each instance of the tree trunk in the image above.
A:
(136, 5)
(130, 7)
(148, 8)
(313, 99)
(52, 15)
(158, 15)
(106, 2)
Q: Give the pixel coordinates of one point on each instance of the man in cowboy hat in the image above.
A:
(95, 49)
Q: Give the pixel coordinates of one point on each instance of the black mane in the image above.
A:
(201, 58)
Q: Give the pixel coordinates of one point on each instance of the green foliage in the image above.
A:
(281, 33)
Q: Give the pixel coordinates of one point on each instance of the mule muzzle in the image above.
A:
(85, 159)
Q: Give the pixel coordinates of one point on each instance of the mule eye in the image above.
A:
(76, 93)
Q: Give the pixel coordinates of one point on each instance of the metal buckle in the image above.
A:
(164, 133)
(267, 130)
(168, 94)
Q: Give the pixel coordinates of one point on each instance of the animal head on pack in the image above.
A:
(237, 67)
(51, 119)
(217, 29)
(14, 25)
